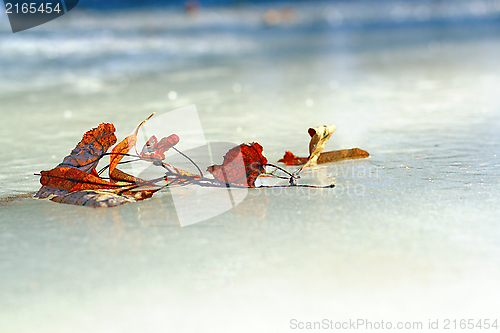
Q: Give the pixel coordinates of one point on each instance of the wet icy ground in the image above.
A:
(409, 234)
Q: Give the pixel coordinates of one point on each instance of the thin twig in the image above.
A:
(196, 165)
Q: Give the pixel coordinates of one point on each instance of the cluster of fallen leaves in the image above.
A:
(76, 181)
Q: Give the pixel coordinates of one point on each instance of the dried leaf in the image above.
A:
(85, 156)
(46, 192)
(181, 172)
(76, 181)
(90, 149)
(241, 166)
(124, 147)
(102, 198)
(156, 150)
(72, 179)
(120, 150)
(330, 156)
(165, 144)
(290, 159)
(339, 155)
(119, 176)
(149, 146)
(319, 137)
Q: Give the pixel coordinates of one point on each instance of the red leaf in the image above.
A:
(84, 157)
(291, 159)
(319, 137)
(156, 150)
(241, 166)
(72, 179)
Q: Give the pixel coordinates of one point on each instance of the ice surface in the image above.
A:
(409, 234)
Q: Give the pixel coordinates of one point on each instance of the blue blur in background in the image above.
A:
(112, 4)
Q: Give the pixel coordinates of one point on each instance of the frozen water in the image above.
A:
(409, 234)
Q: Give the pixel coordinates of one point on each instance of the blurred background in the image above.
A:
(410, 233)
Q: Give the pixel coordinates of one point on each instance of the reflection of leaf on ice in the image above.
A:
(102, 198)
(48, 192)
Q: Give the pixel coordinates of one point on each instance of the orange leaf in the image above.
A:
(85, 156)
(72, 179)
(149, 146)
(124, 147)
(290, 159)
(94, 172)
(90, 149)
(181, 172)
(344, 154)
(319, 137)
(326, 157)
(119, 150)
(166, 143)
(241, 166)
(118, 175)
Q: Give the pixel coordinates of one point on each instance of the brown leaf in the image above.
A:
(165, 144)
(326, 157)
(72, 179)
(339, 155)
(241, 166)
(119, 176)
(46, 192)
(90, 149)
(76, 181)
(102, 197)
(290, 159)
(84, 157)
(319, 137)
(156, 150)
